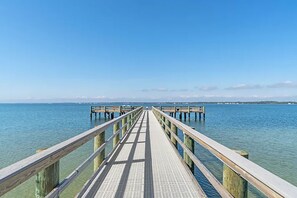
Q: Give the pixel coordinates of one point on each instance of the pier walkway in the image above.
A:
(145, 166)
(144, 162)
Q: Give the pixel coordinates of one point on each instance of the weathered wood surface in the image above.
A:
(236, 185)
(47, 179)
(116, 128)
(263, 180)
(98, 141)
(189, 142)
(17, 173)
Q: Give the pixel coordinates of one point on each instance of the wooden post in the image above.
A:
(199, 116)
(185, 116)
(105, 112)
(174, 112)
(91, 115)
(168, 125)
(132, 118)
(174, 130)
(124, 130)
(116, 139)
(47, 179)
(195, 116)
(203, 113)
(180, 115)
(98, 141)
(235, 185)
(128, 122)
(189, 142)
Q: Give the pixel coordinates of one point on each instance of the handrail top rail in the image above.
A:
(54, 153)
(107, 107)
(193, 106)
(246, 168)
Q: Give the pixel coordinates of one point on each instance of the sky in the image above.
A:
(140, 50)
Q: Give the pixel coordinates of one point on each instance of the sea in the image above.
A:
(267, 132)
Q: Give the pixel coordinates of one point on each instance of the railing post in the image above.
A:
(189, 142)
(91, 114)
(116, 139)
(132, 118)
(160, 119)
(174, 130)
(128, 121)
(47, 179)
(203, 113)
(98, 141)
(167, 126)
(124, 130)
(234, 184)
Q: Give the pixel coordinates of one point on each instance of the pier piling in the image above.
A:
(189, 142)
(124, 130)
(116, 139)
(174, 130)
(236, 185)
(47, 179)
(98, 141)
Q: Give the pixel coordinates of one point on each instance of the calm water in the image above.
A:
(267, 132)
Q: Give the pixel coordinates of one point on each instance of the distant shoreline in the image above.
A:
(177, 103)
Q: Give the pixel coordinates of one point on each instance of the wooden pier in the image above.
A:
(109, 111)
(184, 111)
(144, 162)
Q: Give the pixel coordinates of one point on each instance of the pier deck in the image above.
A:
(145, 165)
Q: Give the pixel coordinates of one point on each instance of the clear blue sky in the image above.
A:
(195, 50)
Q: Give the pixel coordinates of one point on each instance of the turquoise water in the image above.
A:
(267, 132)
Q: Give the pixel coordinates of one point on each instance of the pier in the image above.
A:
(144, 162)
(179, 111)
(109, 111)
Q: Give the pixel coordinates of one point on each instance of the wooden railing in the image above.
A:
(46, 162)
(112, 108)
(268, 183)
(198, 109)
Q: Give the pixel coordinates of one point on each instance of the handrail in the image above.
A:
(265, 181)
(188, 109)
(17, 173)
